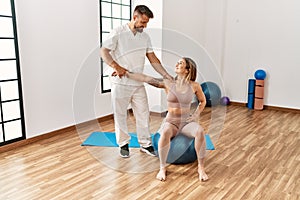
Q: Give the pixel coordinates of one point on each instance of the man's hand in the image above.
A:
(119, 71)
(168, 76)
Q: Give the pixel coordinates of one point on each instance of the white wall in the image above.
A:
(185, 35)
(58, 42)
(263, 34)
(241, 37)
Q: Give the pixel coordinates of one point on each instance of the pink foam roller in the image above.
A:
(258, 104)
(260, 83)
(259, 92)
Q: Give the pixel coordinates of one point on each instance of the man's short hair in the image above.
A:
(144, 10)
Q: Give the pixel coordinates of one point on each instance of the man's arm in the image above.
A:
(105, 55)
(156, 64)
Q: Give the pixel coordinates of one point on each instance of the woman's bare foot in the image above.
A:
(161, 175)
(202, 175)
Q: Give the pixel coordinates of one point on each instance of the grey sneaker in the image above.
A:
(148, 150)
(124, 151)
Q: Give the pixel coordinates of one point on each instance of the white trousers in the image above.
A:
(122, 97)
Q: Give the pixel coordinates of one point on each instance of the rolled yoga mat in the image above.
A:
(259, 95)
(251, 93)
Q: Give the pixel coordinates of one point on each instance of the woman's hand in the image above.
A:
(193, 118)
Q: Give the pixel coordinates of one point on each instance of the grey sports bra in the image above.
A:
(178, 99)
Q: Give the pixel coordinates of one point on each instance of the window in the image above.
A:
(113, 13)
(12, 126)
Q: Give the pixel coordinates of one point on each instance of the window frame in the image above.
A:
(19, 82)
(111, 2)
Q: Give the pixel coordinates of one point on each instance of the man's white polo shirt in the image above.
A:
(129, 51)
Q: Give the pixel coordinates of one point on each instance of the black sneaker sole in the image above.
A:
(147, 152)
(124, 156)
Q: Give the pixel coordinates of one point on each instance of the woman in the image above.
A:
(180, 93)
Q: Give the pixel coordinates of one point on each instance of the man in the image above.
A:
(125, 50)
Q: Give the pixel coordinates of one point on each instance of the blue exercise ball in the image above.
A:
(212, 93)
(182, 150)
(260, 74)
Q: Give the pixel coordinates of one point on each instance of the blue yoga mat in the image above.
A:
(251, 91)
(209, 144)
(108, 139)
(251, 86)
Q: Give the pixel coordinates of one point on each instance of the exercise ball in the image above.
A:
(260, 74)
(212, 93)
(225, 101)
(182, 150)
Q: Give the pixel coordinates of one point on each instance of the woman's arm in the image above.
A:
(156, 82)
(202, 102)
(201, 98)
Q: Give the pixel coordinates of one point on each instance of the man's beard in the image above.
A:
(140, 30)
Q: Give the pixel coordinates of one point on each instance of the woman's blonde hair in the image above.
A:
(192, 68)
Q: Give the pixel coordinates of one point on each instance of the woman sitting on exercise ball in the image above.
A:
(180, 93)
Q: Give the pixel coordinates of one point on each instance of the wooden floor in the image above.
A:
(257, 156)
